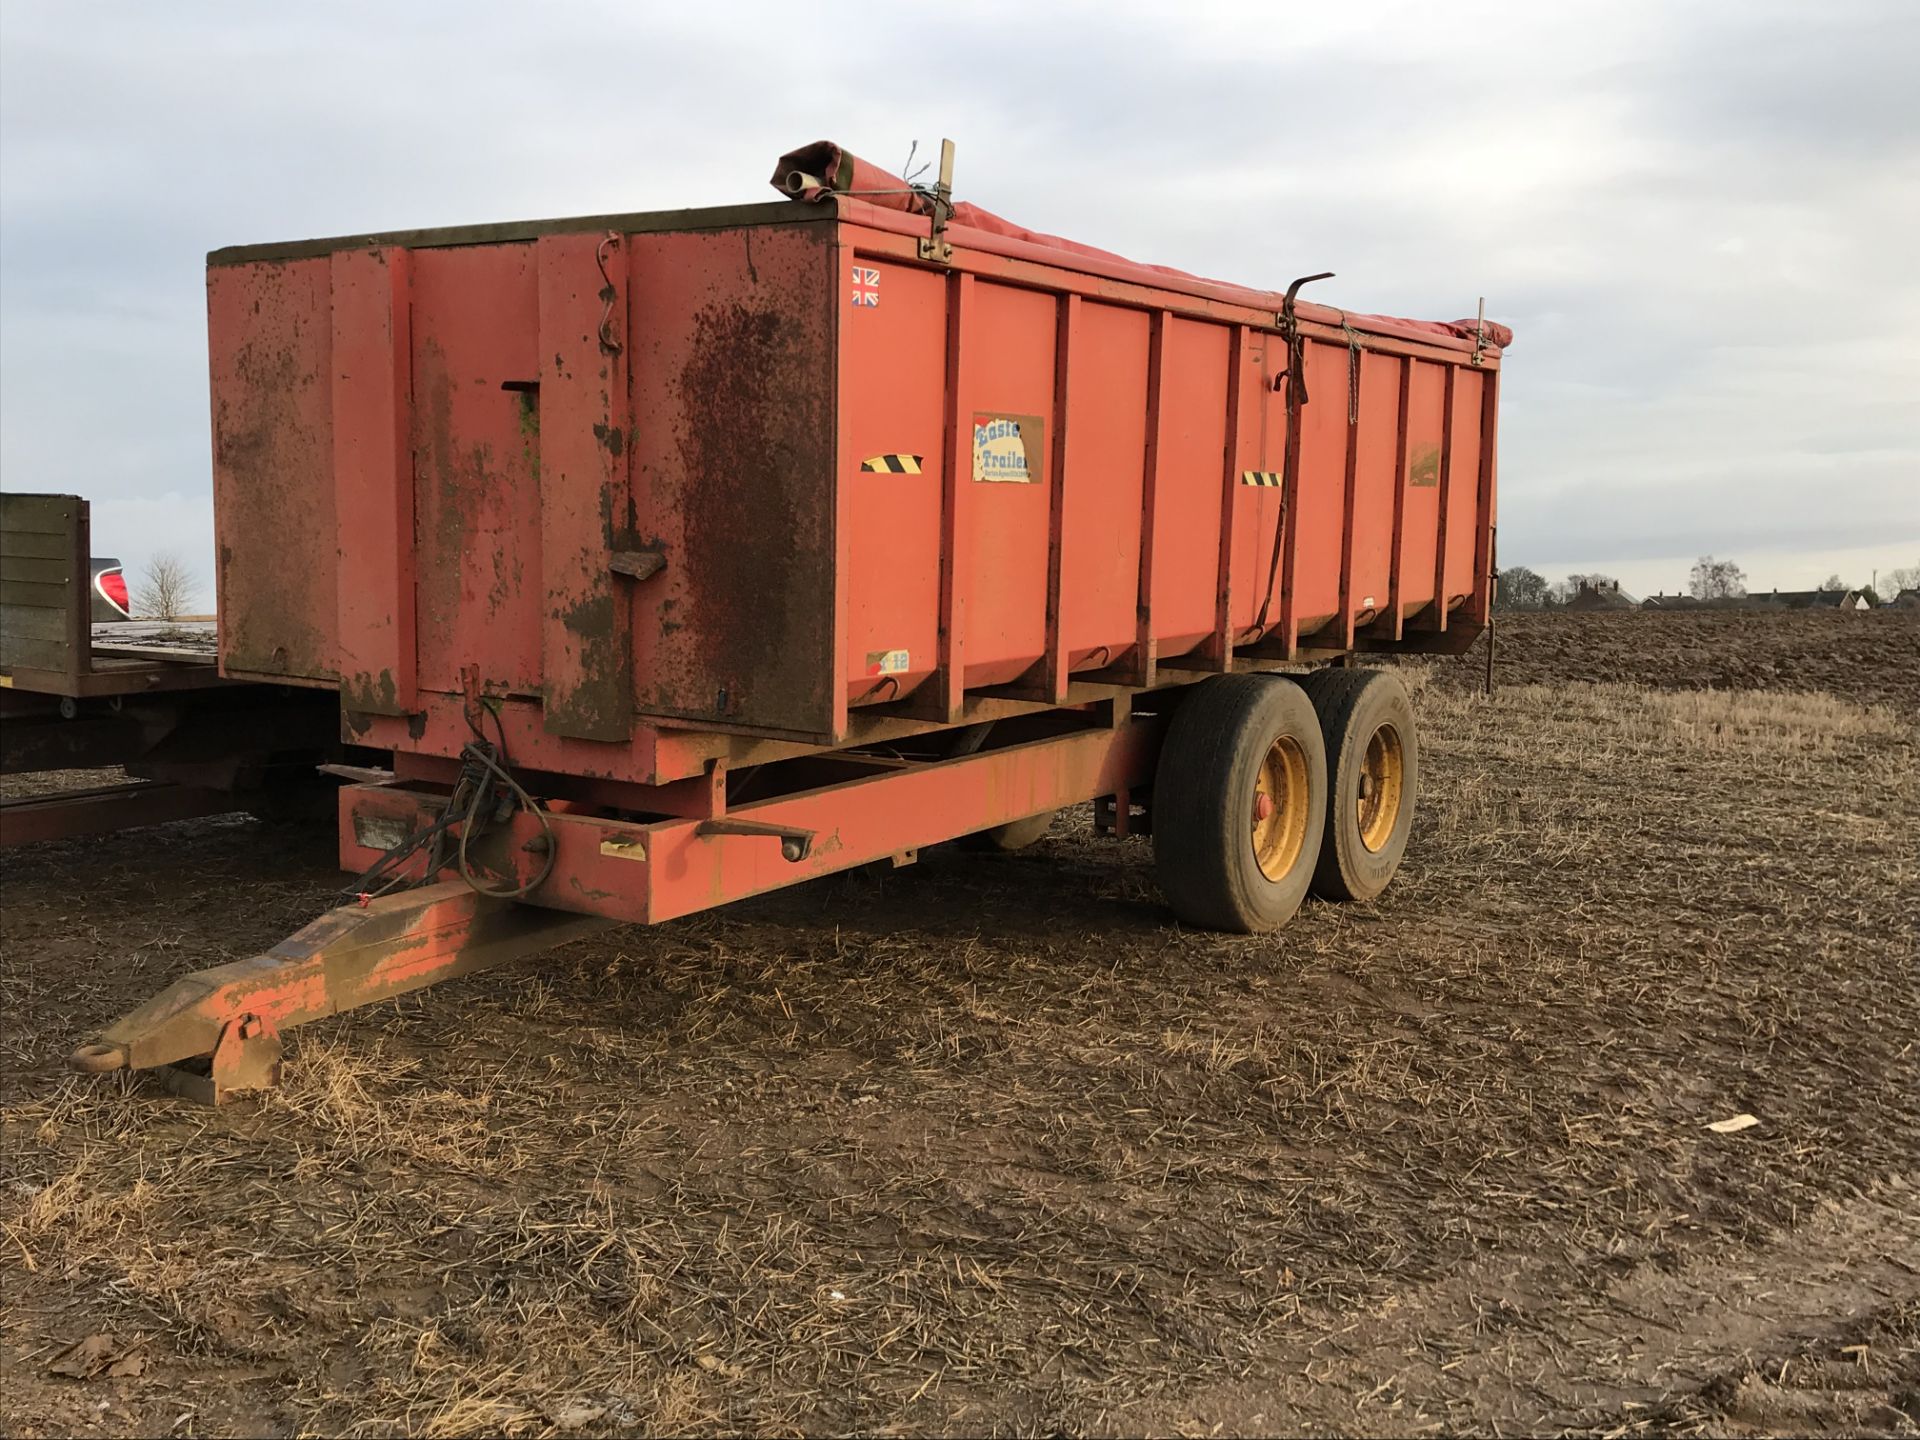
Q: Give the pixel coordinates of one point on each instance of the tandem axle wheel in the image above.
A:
(1269, 787)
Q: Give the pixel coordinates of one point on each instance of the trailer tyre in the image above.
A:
(1014, 835)
(1240, 798)
(1373, 779)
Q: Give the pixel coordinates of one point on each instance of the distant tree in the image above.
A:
(1906, 577)
(1716, 580)
(1522, 589)
(1871, 596)
(165, 588)
(1834, 583)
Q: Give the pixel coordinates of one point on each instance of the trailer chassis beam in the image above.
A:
(67, 813)
(217, 1032)
(644, 872)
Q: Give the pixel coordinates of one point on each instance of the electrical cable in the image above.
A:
(478, 800)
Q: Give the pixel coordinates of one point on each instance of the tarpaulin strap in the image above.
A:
(1296, 377)
(1353, 371)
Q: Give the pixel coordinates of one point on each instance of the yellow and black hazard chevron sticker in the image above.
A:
(892, 465)
(1259, 477)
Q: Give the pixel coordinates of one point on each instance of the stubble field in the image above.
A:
(991, 1144)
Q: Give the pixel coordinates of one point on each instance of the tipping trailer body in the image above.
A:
(666, 482)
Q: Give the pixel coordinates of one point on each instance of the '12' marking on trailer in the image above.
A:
(866, 286)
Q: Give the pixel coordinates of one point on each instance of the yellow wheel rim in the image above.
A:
(1280, 808)
(1383, 778)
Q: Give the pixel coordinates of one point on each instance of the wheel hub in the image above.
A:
(1383, 772)
(1279, 812)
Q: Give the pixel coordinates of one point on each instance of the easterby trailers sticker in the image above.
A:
(1008, 449)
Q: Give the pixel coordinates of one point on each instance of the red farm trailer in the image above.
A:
(677, 557)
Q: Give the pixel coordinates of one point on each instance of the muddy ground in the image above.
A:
(991, 1145)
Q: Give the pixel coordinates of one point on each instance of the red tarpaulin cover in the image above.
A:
(823, 168)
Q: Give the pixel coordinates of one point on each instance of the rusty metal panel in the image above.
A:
(1252, 511)
(269, 344)
(1320, 503)
(476, 368)
(1001, 567)
(1464, 500)
(893, 469)
(1186, 521)
(1103, 478)
(373, 476)
(45, 606)
(586, 505)
(1375, 461)
(1485, 562)
(734, 475)
(1420, 489)
(963, 356)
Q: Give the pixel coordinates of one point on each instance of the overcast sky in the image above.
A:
(1701, 220)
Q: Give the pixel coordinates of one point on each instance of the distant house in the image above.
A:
(1905, 600)
(1599, 597)
(1810, 600)
(1771, 600)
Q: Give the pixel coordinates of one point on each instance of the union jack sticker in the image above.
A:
(866, 286)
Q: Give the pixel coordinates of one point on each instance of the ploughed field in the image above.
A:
(988, 1144)
(1872, 658)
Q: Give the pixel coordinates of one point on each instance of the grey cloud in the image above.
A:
(1697, 218)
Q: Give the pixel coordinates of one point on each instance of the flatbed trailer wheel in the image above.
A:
(1373, 777)
(1240, 797)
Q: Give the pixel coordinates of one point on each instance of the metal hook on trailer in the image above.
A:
(1289, 323)
(608, 292)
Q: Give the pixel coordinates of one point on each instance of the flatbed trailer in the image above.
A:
(146, 698)
(678, 557)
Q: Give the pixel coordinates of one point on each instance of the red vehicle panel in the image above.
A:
(1101, 524)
